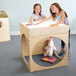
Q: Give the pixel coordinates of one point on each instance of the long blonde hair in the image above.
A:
(59, 8)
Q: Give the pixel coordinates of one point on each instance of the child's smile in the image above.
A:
(37, 9)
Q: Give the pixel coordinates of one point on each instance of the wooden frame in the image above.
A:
(0, 24)
(35, 37)
(4, 27)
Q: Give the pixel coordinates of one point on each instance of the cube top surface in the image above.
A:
(44, 24)
(45, 29)
(3, 14)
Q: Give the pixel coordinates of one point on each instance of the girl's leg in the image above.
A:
(62, 48)
(63, 45)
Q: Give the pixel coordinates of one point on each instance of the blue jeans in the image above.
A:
(63, 44)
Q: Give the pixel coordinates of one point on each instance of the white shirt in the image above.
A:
(37, 17)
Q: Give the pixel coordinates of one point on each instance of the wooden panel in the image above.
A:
(0, 24)
(4, 27)
(34, 40)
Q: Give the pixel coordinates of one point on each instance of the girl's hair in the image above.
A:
(34, 8)
(59, 8)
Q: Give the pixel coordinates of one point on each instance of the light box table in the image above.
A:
(33, 39)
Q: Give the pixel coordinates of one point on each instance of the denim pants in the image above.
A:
(63, 44)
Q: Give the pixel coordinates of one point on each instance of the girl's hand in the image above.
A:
(53, 25)
(36, 24)
(31, 23)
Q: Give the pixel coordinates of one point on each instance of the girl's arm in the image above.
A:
(62, 19)
(31, 20)
(41, 20)
(44, 19)
(48, 18)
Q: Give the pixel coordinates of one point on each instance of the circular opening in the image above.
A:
(24, 43)
(39, 54)
(1, 24)
(61, 48)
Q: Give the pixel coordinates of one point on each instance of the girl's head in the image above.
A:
(37, 9)
(54, 8)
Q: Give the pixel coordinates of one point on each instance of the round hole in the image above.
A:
(38, 50)
(1, 24)
(24, 43)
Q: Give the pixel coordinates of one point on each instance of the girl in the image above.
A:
(37, 16)
(60, 16)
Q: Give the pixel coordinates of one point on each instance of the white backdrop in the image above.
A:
(21, 10)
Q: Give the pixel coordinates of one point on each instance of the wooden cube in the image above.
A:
(4, 27)
(0, 24)
(33, 40)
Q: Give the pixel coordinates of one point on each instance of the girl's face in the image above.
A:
(54, 8)
(37, 9)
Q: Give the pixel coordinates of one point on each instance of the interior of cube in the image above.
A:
(37, 52)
